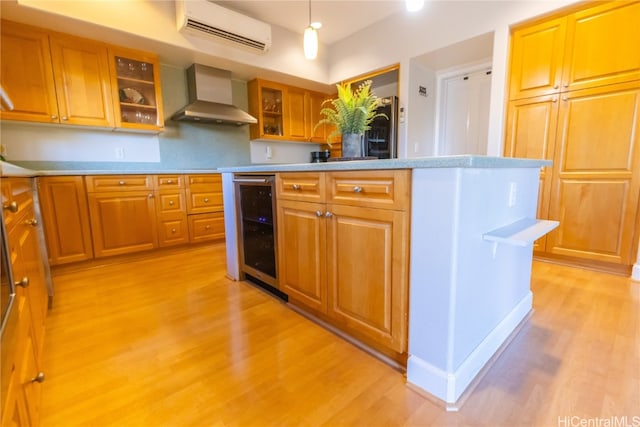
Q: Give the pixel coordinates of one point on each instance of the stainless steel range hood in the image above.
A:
(210, 98)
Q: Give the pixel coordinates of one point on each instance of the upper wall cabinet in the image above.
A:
(577, 51)
(285, 113)
(136, 90)
(55, 78)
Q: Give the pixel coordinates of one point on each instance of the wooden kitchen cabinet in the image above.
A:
(23, 337)
(323, 248)
(136, 90)
(592, 47)
(54, 78)
(27, 74)
(574, 100)
(204, 207)
(65, 216)
(285, 113)
(171, 210)
(122, 220)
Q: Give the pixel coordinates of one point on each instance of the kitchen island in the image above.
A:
(469, 228)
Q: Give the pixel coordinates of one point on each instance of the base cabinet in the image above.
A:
(23, 335)
(344, 258)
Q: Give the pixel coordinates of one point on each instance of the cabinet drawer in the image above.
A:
(118, 182)
(305, 186)
(16, 198)
(206, 226)
(169, 182)
(204, 202)
(206, 182)
(173, 231)
(380, 189)
(170, 201)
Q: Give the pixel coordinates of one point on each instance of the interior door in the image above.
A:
(465, 113)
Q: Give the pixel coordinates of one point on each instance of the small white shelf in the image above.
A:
(522, 232)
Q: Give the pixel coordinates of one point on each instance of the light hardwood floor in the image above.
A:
(169, 341)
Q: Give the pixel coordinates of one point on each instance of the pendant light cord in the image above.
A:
(309, 12)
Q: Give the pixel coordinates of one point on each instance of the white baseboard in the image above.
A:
(449, 386)
(635, 273)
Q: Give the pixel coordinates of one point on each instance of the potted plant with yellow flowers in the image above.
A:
(351, 113)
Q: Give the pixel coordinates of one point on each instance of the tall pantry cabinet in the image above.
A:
(574, 98)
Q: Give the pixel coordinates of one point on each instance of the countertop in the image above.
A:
(9, 169)
(465, 161)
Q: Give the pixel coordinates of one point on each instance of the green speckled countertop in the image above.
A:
(9, 169)
(465, 161)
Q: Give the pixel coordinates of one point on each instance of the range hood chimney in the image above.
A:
(210, 98)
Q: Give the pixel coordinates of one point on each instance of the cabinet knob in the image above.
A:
(556, 86)
(564, 98)
(318, 214)
(206, 200)
(32, 222)
(206, 227)
(566, 85)
(150, 196)
(11, 207)
(121, 183)
(54, 117)
(173, 230)
(295, 187)
(38, 378)
(554, 99)
(328, 215)
(171, 202)
(357, 189)
(64, 118)
(169, 181)
(23, 283)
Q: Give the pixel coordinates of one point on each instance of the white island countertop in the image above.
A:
(463, 161)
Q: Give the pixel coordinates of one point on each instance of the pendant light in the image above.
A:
(311, 38)
(414, 5)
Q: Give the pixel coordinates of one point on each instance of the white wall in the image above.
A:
(281, 152)
(421, 117)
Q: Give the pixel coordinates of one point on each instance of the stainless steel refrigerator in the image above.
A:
(380, 140)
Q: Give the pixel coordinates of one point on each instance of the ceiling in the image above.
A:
(339, 19)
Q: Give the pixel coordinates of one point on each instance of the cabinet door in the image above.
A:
(536, 59)
(296, 111)
(136, 90)
(318, 134)
(367, 253)
(301, 253)
(603, 46)
(531, 132)
(63, 201)
(122, 222)
(27, 76)
(83, 85)
(597, 174)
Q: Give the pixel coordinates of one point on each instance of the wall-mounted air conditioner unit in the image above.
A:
(206, 19)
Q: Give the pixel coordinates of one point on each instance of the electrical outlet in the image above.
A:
(268, 153)
(513, 192)
(119, 153)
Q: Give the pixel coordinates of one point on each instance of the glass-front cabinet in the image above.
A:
(136, 90)
(271, 111)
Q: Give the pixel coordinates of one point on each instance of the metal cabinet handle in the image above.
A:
(23, 283)
(357, 189)
(121, 183)
(169, 181)
(171, 202)
(206, 200)
(318, 214)
(173, 230)
(328, 215)
(295, 187)
(38, 378)
(11, 207)
(32, 222)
